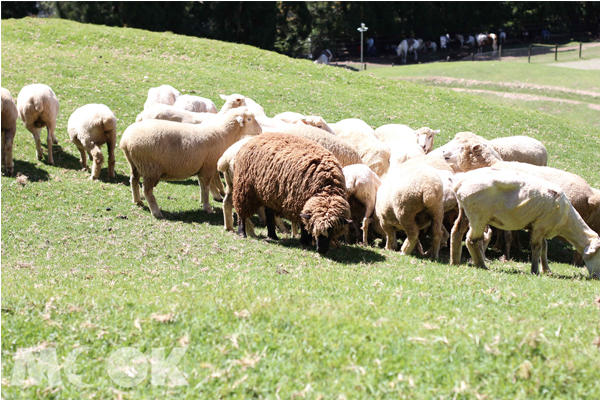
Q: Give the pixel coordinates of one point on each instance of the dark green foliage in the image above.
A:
(18, 9)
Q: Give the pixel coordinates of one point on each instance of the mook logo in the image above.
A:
(126, 367)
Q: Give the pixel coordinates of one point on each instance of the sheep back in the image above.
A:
(166, 150)
(171, 113)
(164, 94)
(522, 149)
(291, 175)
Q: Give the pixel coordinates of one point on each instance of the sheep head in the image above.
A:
(591, 257)
(473, 156)
(317, 122)
(245, 121)
(325, 217)
(426, 137)
(232, 101)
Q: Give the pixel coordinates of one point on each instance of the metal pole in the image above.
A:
(361, 51)
(580, 45)
(473, 56)
(556, 53)
(529, 54)
(500, 54)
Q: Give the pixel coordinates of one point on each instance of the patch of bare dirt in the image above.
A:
(443, 80)
(526, 97)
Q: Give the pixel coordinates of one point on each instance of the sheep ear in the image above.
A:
(224, 97)
(304, 121)
(240, 120)
(477, 148)
(305, 216)
(349, 222)
(592, 248)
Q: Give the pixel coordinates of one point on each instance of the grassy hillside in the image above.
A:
(83, 268)
(573, 94)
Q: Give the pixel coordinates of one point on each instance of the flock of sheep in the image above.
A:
(322, 177)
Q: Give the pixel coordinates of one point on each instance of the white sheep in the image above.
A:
(362, 185)
(171, 113)
(296, 118)
(512, 200)
(89, 127)
(9, 129)
(424, 136)
(38, 106)
(408, 199)
(195, 104)
(522, 149)
(473, 156)
(238, 100)
(374, 153)
(163, 150)
(164, 94)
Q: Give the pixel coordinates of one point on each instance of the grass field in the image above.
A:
(573, 94)
(89, 278)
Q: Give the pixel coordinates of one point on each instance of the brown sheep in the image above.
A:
(295, 178)
(160, 150)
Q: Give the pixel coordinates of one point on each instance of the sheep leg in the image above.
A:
(7, 149)
(214, 187)
(270, 214)
(110, 144)
(499, 236)
(51, 139)
(204, 183)
(134, 182)
(536, 252)
(365, 230)
(390, 238)
(305, 238)
(38, 142)
(508, 238)
(228, 211)
(544, 256)
(261, 215)
(437, 229)
(280, 225)
(295, 229)
(461, 225)
(474, 237)
(149, 185)
(412, 234)
(250, 228)
(241, 226)
(219, 184)
(83, 160)
(98, 161)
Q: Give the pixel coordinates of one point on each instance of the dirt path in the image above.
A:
(526, 97)
(512, 85)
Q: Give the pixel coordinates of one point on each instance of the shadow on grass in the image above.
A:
(194, 216)
(33, 173)
(64, 159)
(578, 275)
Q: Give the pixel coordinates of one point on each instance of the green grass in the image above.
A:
(580, 87)
(82, 267)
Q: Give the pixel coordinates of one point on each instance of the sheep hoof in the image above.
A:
(208, 210)
(158, 215)
(139, 203)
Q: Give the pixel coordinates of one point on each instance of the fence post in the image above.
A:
(556, 53)
(580, 45)
(473, 56)
(500, 54)
(529, 54)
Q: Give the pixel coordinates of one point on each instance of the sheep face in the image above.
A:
(325, 217)
(317, 122)
(591, 257)
(467, 157)
(425, 138)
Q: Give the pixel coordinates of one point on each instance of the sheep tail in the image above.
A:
(594, 202)
(109, 124)
(38, 103)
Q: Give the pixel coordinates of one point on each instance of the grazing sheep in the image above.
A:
(409, 198)
(9, 129)
(226, 166)
(38, 107)
(294, 178)
(324, 58)
(341, 149)
(89, 128)
(164, 94)
(362, 185)
(195, 104)
(170, 113)
(406, 46)
(374, 153)
(164, 150)
(577, 190)
(512, 200)
(593, 221)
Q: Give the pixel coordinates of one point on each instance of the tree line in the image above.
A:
(286, 26)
